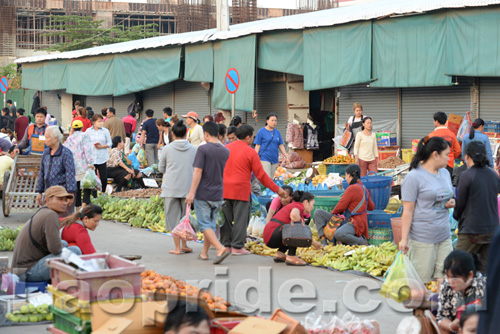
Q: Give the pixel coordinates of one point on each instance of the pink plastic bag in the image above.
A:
(184, 230)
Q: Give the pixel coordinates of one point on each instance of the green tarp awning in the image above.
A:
(410, 52)
(281, 52)
(239, 54)
(199, 63)
(32, 76)
(337, 56)
(473, 45)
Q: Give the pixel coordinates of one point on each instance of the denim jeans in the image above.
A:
(206, 214)
(41, 271)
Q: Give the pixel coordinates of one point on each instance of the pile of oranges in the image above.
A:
(154, 282)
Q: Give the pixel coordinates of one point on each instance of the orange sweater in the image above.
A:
(449, 136)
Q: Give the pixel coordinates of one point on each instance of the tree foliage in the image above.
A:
(82, 32)
(13, 76)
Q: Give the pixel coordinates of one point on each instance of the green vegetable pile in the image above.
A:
(8, 237)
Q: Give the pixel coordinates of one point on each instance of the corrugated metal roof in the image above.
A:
(329, 17)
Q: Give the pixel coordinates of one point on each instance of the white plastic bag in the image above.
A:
(250, 225)
(258, 227)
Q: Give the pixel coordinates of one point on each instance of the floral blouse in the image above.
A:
(450, 300)
(115, 158)
(79, 144)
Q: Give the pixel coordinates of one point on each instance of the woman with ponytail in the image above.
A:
(476, 134)
(477, 205)
(354, 205)
(293, 213)
(74, 228)
(427, 195)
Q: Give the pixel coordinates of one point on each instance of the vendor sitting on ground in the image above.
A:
(184, 318)
(353, 205)
(463, 286)
(39, 238)
(74, 228)
(293, 213)
(118, 170)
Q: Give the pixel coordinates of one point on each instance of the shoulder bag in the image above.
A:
(295, 235)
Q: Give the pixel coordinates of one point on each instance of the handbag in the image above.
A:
(297, 235)
(347, 139)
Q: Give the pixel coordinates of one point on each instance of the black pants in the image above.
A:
(118, 174)
(276, 241)
(86, 195)
(103, 175)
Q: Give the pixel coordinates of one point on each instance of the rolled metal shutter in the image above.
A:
(191, 96)
(270, 97)
(378, 103)
(489, 99)
(420, 104)
(121, 103)
(99, 102)
(50, 100)
(158, 98)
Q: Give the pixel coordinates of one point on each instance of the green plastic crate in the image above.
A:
(69, 323)
(326, 203)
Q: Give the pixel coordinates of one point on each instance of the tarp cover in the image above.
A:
(199, 63)
(281, 51)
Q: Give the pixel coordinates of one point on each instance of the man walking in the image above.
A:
(150, 137)
(206, 189)
(442, 131)
(12, 109)
(21, 123)
(243, 160)
(114, 125)
(34, 135)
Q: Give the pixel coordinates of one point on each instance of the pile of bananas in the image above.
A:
(319, 179)
(256, 247)
(339, 159)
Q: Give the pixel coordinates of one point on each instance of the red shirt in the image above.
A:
(130, 124)
(242, 161)
(350, 200)
(283, 216)
(449, 136)
(77, 235)
(86, 122)
(20, 126)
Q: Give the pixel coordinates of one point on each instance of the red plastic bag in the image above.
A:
(184, 230)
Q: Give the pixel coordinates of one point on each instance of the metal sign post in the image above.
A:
(232, 85)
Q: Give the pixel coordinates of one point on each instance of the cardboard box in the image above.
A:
(454, 122)
(386, 138)
(253, 325)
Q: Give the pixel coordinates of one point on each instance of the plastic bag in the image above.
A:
(9, 282)
(184, 230)
(354, 325)
(324, 324)
(250, 225)
(141, 156)
(464, 127)
(258, 227)
(402, 282)
(89, 180)
(133, 159)
(98, 184)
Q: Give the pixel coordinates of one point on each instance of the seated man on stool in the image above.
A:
(39, 238)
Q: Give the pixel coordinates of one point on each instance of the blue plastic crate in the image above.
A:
(23, 287)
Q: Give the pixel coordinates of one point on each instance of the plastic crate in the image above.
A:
(379, 235)
(70, 304)
(69, 323)
(22, 286)
(121, 280)
(378, 219)
(326, 203)
(326, 193)
(379, 188)
(336, 168)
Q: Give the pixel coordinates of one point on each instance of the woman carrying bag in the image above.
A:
(293, 213)
(353, 205)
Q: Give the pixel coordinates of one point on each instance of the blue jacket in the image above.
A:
(57, 170)
(478, 135)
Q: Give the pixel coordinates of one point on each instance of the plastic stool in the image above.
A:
(22, 286)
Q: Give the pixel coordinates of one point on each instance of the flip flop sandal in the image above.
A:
(186, 250)
(279, 259)
(292, 263)
(173, 252)
(201, 258)
(222, 257)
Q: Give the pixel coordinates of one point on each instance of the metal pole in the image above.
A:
(232, 105)
(4, 103)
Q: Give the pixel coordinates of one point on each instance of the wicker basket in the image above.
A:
(379, 235)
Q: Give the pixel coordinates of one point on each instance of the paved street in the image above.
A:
(320, 287)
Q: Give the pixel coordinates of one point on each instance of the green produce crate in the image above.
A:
(336, 168)
(326, 203)
(379, 235)
(69, 323)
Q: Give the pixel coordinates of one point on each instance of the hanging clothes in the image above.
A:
(294, 136)
(310, 137)
(330, 122)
